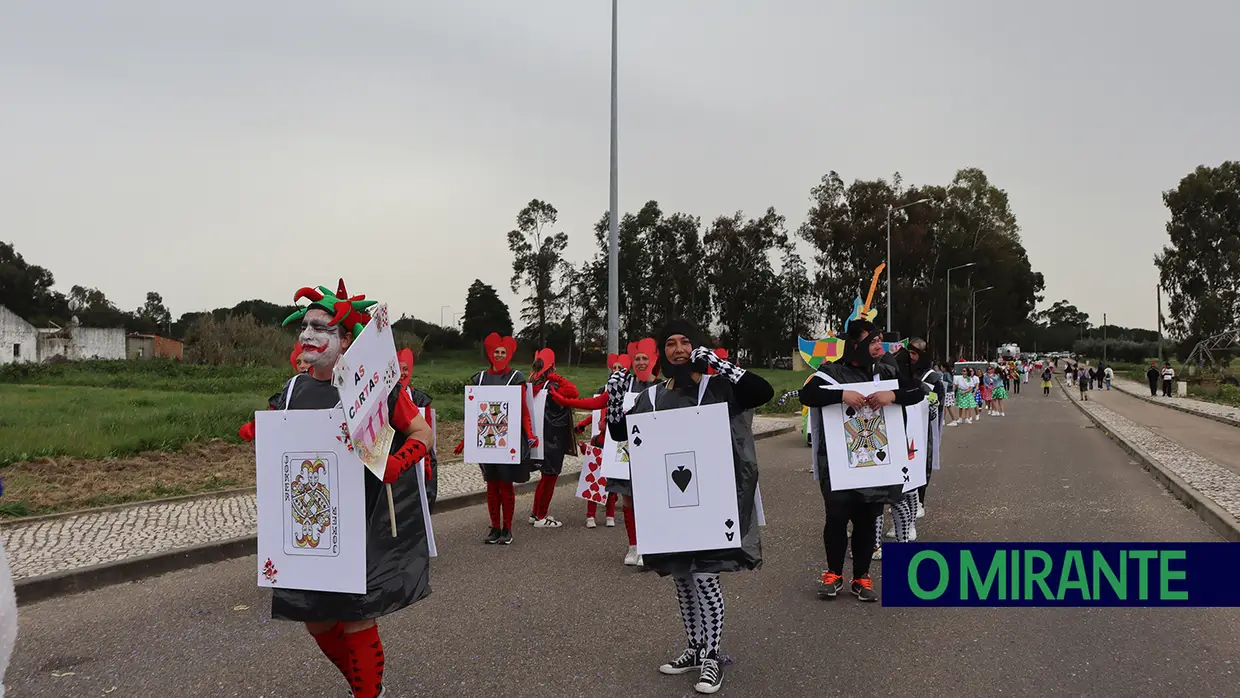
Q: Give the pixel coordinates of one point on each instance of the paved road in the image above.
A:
(556, 614)
(1216, 441)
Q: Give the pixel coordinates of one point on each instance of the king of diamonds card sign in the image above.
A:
(493, 424)
(311, 503)
(684, 484)
(865, 446)
(365, 376)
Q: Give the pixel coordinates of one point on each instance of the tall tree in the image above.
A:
(484, 313)
(154, 311)
(1200, 268)
(797, 303)
(537, 262)
(26, 289)
(743, 283)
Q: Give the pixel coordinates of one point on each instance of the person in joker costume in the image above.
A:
(557, 435)
(685, 361)
(500, 479)
(397, 569)
(421, 400)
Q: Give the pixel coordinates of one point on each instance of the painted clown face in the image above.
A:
(322, 344)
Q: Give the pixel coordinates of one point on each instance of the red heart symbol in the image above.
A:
(594, 487)
(598, 451)
(589, 477)
(512, 450)
(593, 466)
(602, 481)
(585, 494)
(598, 497)
(469, 397)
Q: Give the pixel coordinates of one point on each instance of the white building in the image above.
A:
(20, 341)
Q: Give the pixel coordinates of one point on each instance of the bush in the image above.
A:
(1121, 350)
(236, 341)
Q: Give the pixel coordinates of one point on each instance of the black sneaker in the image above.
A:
(710, 679)
(688, 660)
(830, 585)
(492, 537)
(863, 587)
(505, 537)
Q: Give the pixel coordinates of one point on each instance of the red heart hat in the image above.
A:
(494, 341)
(548, 362)
(623, 359)
(292, 358)
(405, 356)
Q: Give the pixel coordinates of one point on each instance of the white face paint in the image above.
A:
(321, 343)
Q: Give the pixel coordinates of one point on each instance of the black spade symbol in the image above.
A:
(637, 441)
(681, 477)
(850, 412)
(729, 523)
(882, 455)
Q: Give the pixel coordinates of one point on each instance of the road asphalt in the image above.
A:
(557, 614)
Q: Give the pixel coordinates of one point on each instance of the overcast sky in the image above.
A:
(220, 151)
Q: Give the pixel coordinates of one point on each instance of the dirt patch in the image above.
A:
(52, 485)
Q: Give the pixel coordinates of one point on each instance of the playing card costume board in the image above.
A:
(684, 477)
(493, 426)
(865, 447)
(396, 570)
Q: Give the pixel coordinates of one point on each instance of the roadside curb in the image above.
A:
(217, 494)
(1224, 523)
(47, 586)
(1171, 405)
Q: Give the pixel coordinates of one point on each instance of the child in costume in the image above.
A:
(557, 436)
(397, 569)
(685, 361)
(422, 401)
(501, 479)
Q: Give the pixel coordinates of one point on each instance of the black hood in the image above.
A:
(679, 373)
(857, 350)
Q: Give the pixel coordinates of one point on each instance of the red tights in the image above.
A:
(592, 508)
(542, 495)
(501, 499)
(358, 656)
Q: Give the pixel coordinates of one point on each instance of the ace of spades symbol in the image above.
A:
(682, 479)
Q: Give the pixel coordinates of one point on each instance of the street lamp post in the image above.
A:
(613, 244)
(973, 322)
(441, 309)
(890, 210)
(948, 347)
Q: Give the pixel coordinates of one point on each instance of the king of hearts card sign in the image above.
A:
(311, 498)
(493, 424)
(684, 481)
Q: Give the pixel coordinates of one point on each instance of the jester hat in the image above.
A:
(346, 310)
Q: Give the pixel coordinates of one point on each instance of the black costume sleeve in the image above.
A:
(750, 391)
(816, 393)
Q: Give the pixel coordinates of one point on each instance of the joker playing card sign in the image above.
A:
(311, 503)
(684, 481)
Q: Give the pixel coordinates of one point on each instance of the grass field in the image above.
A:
(107, 432)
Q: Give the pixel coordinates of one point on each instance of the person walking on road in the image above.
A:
(1082, 380)
(1047, 376)
(998, 397)
(1168, 375)
(1107, 375)
(1152, 377)
(965, 404)
(686, 361)
(557, 436)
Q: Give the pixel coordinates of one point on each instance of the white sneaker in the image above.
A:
(1003, 414)
(590, 522)
(611, 522)
(912, 533)
(641, 561)
(921, 511)
(533, 520)
(631, 559)
(549, 522)
(969, 420)
(878, 553)
(954, 424)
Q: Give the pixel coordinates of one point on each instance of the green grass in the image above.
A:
(91, 422)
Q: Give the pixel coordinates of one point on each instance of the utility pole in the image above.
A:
(1104, 338)
(613, 246)
(1158, 295)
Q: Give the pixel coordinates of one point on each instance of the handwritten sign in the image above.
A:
(364, 377)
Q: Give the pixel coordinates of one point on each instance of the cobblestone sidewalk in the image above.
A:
(1207, 477)
(1185, 404)
(65, 543)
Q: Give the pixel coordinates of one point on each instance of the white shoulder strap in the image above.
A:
(650, 393)
(288, 394)
(510, 377)
(702, 388)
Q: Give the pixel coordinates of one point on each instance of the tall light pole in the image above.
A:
(948, 347)
(890, 210)
(441, 309)
(973, 322)
(613, 245)
(1104, 338)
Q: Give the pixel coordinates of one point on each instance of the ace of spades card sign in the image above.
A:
(684, 483)
(311, 503)
(364, 377)
(493, 424)
(865, 447)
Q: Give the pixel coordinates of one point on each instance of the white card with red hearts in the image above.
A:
(591, 485)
